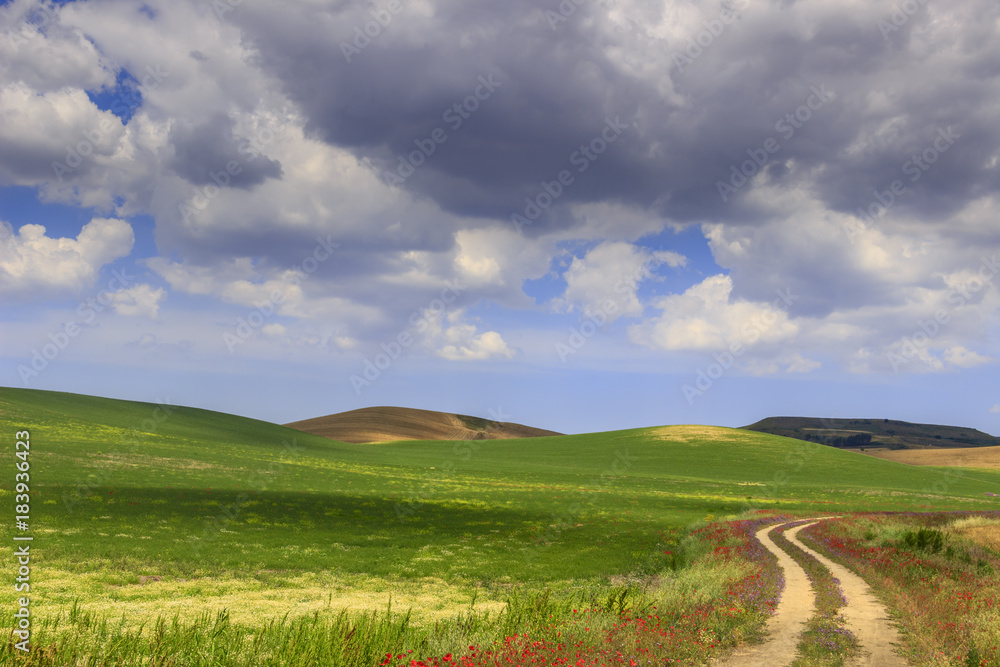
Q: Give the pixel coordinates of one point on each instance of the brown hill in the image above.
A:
(385, 424)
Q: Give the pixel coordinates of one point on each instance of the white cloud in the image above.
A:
(463, 344)
(274, 330)
(995, 409)
(861, 299)
(965, 358)
(607, 278)
(705, 317)
(32, 263)
(497, 260)
(48, 60)
(799, 364)
(288, 292)
(856, 297)
(139, 300)
(202, 279)
(62, 126)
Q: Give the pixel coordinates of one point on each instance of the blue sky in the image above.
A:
(642, 215)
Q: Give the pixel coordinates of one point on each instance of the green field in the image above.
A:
(149, 510)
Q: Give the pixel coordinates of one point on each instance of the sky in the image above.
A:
(581, 215)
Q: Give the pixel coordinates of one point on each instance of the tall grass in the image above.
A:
(86, 639)
(696, 602)
(89, 640)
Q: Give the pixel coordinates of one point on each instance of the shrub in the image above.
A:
(924, 539)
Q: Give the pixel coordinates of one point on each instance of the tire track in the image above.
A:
(866, 617)
(796, 606)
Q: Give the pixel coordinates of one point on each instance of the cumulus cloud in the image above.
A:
(274, 329)
(139, 300)
(471, 347)
(495, 262)
(705, 318)
(62, 126)
(207, 148)
(463, 343)
(33, 264)
(286, 292)
(47, 56)
(964, 358)
(607, 278)
(328, 131)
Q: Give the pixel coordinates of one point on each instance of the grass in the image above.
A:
(162, 513)
(688, 613)
(943, 588)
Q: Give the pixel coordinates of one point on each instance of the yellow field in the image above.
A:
(972, 457)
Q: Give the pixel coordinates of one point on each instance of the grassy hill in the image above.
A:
(885, 433)
(386, 424)
(151, 509)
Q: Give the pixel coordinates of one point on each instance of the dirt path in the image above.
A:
(796, 606)
(865, 615)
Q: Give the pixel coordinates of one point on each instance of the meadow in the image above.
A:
(178, 536)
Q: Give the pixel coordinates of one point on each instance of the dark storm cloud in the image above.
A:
(201, 149)
(558, 87)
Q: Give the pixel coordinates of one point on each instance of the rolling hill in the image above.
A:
(883, 433)
(388, 424)
(151, 509)
(172, 516)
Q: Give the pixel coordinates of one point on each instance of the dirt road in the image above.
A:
(796, 606)
(865, 616)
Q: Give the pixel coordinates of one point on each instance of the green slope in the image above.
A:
(119, 495)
